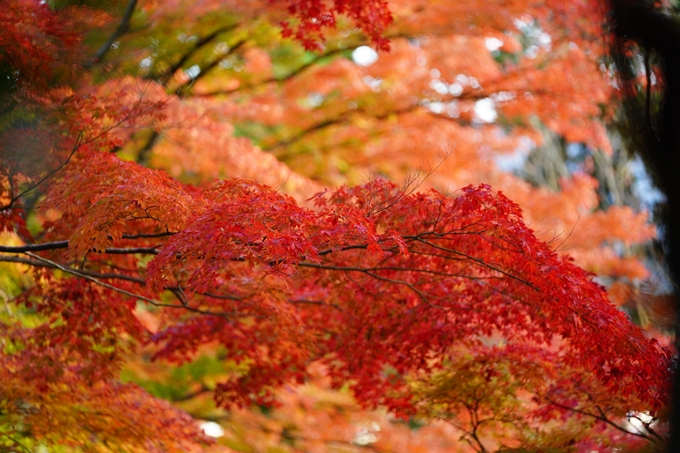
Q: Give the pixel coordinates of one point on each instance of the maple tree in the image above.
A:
(441, 307)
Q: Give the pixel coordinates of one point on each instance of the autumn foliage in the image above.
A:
(172, 248)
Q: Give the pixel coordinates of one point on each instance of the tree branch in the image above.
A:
(47, 176)
(88, 276)
(76, 273)
(602, 417)
(120, 31)
(200, 43)
(295, 72)
(64, 244)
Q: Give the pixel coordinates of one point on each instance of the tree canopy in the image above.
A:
(328, 226)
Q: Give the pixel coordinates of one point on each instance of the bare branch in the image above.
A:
(601, 417)
(47, 176)
(64, 244)
(76, 273)
(197, 46)
(120, 31)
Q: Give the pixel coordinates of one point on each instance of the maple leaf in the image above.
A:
(104, 195)
(450, 307)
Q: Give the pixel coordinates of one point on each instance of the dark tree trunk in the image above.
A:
(655, 136)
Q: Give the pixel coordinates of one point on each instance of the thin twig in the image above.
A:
(48, 175)
(601, 418)
(68, 270)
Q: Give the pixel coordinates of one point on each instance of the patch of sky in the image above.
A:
(212, 429)
(452, 110)
(221, 48)
(575, 154)
(515, 161)
(145, 63)
(367, 435)
(533, 37)
(439, 86)
(372, 82)
(456, 89)
(485, 110)
(184, 38)
(436, 107)
(193, 71)
(493, 44)
(315, 99)
(364, 56)
(643, 186)
(503, 96)
(511, 162)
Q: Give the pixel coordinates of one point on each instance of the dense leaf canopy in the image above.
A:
(174, 247)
